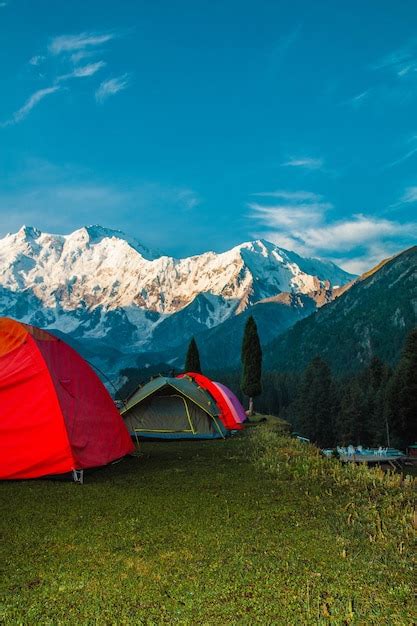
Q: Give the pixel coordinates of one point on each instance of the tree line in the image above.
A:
(376, 407)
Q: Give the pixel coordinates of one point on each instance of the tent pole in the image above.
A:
(189, 417)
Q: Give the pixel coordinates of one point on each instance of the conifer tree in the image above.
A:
(353, 422)
(192, 360)
(401, 400)
(377, 377)
(251, 381)
(314, 407)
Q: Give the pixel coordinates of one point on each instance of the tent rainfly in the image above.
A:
(55, 414)
(231, 412)
(172, 408)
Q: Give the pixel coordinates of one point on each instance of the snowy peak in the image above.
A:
(95, 234)
(28, 232)
(96, 266)
(98, 282)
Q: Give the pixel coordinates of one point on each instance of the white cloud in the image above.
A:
(288, 216)
(306, 226)
(410, 195)
(294, 196)
(188, 198)
(36, 60)
(76, 57)
(308, 163)
(401, 61)
(111, 86)
(358, 230)
(405, 157)
(30, 103)
(73, 43)
(300, 208)
(83, 71)
(357, 101)
(70, 50)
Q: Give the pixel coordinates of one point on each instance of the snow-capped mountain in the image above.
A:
(97, 283)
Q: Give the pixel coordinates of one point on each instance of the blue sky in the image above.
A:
(199, 124)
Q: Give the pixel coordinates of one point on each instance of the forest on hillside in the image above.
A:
(376, 406)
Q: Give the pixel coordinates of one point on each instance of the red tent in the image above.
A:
(55, 414)
(227, 414)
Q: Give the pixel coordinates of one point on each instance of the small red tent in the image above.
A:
(227, 414)
(55, 414)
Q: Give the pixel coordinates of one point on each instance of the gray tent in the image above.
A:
(172, 408)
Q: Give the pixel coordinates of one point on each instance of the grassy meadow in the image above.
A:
(254, 529)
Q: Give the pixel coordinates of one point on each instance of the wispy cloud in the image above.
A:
(30, 103)
(83, 71)
(392, 78)
(410, 195)
(188, 198)
(3, 4)
(82, 41)
(357, 101)
(299, 207)
(304, 224)
(408, 154)
(111, 86)
(36, 60)
(402, 61)
(294, 196)
(81, 55)
(308, 163)
(70, 50)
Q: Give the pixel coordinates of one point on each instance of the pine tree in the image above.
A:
(401, 400)
(192, 360)
(314, 407)
(353, 422)
(251, 363)
(378, 375)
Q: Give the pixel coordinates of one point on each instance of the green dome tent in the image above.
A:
(172, 408)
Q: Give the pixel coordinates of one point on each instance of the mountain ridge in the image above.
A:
(370, 318)
(100, 286)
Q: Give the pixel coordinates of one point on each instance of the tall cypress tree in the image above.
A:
(192, 360)
(251, 384)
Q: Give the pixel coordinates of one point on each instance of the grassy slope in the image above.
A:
(245, 531)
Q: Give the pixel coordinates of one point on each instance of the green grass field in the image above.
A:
(255, 529)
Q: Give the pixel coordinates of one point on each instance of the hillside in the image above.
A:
(371, 318)
(214, 532)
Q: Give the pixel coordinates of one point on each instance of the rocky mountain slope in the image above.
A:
(371, 318)
(104, 288)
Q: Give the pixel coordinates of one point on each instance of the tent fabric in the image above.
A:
(228, 413)
(172, 408)
(234, 404)
(55, 414)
